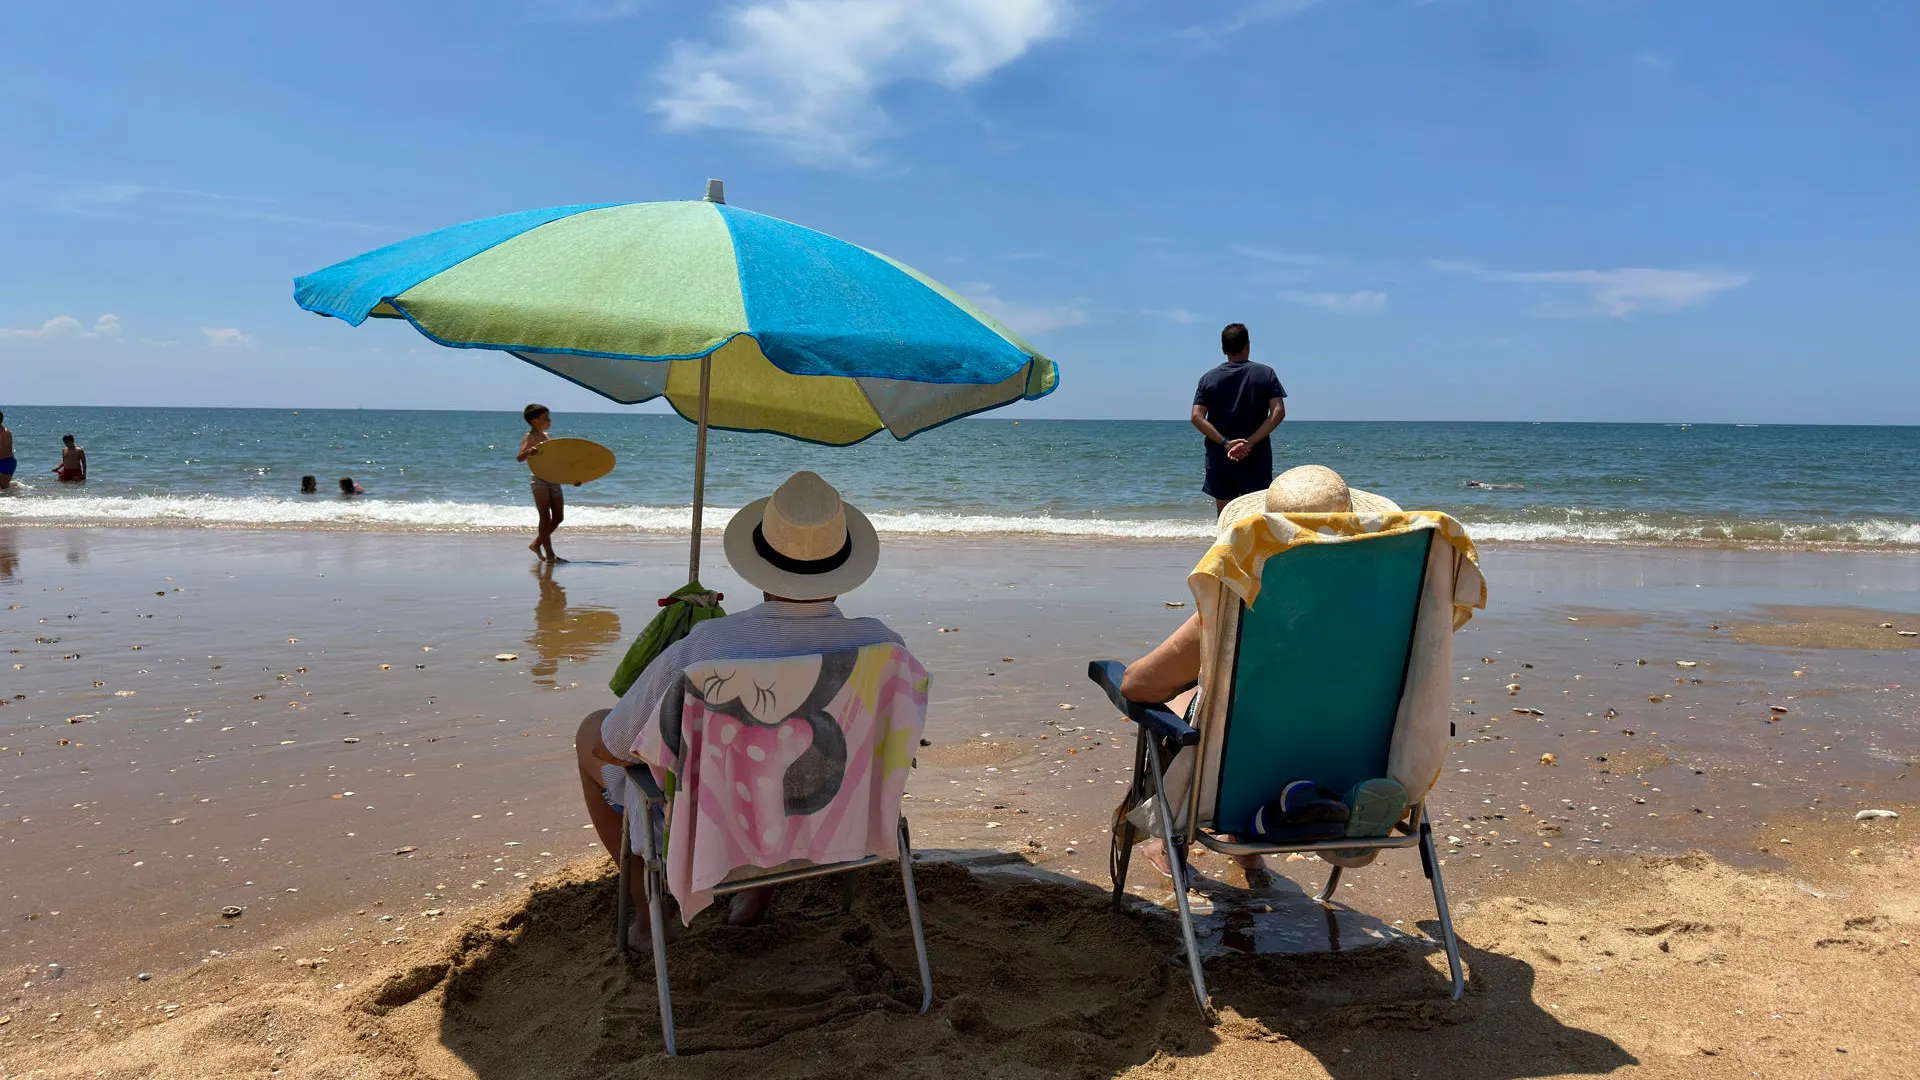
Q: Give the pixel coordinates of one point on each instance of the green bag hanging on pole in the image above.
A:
(689, 606)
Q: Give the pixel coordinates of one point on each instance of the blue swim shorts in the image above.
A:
(8, 465)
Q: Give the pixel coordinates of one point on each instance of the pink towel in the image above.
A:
(771, 761)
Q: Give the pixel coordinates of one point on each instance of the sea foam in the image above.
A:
(328, 512)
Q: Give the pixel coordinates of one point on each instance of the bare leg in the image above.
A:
(543, 543)
(557, 509)
(750, 907)
(606, 820)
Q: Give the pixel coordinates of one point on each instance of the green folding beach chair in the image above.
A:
(1313, 675)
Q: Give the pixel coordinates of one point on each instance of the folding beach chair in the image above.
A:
(804, 757)
(1327, 676)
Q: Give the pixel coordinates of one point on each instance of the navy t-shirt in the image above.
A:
(1236, 396)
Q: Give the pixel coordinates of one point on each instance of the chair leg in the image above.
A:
(623, 907)
(1177, 857)
(657, 924)
(1124, 833)
(1430, 862)
(1121, 860)
(1333, 882)
(913, 914)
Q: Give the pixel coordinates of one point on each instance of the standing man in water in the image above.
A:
(1236, 407)
(8, 463)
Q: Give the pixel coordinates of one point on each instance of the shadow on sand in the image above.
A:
(1034, 975)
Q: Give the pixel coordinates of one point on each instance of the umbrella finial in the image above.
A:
(716, 191)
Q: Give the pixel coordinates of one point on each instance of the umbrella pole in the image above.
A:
(700, 466)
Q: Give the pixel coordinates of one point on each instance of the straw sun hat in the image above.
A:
(1307, 489)
(802, 542)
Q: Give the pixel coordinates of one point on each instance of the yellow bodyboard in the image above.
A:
(571, 461)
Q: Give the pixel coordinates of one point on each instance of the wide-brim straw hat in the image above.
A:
(803, 542)
(1307, 489)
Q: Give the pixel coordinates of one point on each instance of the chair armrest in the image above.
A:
(1155, 718)
(642, 777)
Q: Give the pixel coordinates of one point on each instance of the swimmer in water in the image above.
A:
(7, 462)
(1496, 487)
(73, 462)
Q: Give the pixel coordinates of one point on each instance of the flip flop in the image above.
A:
(1303, 812)
(1377, 805)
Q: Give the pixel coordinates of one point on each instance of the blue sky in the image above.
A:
(1451, 209)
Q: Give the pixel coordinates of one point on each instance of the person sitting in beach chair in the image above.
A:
(1170, 672)
(1319, 657)
(768, 745)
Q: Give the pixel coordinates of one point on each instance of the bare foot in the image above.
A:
(1155, 852)
(555, 559)
(535, 548)
(640, 941)
(750, 907)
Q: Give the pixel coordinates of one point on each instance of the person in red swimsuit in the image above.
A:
(73, 462)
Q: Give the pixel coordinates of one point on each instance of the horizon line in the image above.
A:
(977, 418)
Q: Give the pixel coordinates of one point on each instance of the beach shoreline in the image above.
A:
(1542, 483)
(1176, 531)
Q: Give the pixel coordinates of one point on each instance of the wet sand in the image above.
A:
(313, 727)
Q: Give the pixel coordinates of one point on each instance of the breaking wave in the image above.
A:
(1538, 524)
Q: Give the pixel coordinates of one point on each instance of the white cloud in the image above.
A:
(1346, 303)
(66, 326)
(225, 338)
(1257, 12)
(97, 199)
(1026, 318)
(93, 198)
(570, 11)
(1285, 258)
(1614, 293)
(804, 74)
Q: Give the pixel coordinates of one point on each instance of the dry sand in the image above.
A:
(1649, 967)
(1594, 942)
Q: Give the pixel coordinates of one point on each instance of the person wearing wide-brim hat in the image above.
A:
(802, 547)
(1168, 672)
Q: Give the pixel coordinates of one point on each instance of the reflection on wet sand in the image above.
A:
(561, 633)
(9, 554)
(79, 546)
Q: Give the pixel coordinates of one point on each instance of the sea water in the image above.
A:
(1644, 483)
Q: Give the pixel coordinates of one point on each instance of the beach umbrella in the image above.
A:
(739, 320)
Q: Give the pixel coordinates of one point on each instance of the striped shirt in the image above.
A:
(774, 629)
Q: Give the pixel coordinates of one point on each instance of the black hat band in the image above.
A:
(801, 566)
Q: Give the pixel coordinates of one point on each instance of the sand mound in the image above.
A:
(1666, 967)
(1031, 980)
